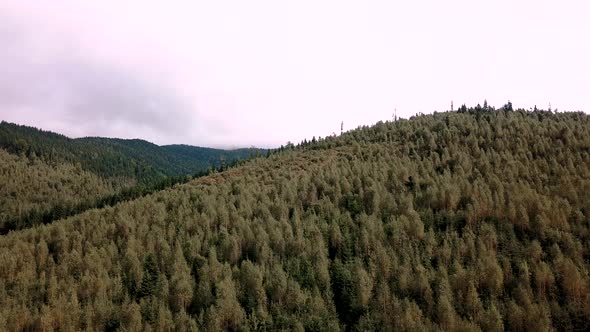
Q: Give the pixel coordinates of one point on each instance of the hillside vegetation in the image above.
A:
(29, 188)
(46, 176)
(471, 220)
(138, 160)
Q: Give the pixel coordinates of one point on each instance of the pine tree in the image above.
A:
(150, 280)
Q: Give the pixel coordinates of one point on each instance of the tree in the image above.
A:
(150, 280)
(181, 282)
(226, 313)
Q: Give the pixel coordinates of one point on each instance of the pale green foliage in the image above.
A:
(32, 185)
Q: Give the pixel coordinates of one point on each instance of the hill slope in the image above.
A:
(31, 188)
(48, 176)
(453, 221)
(191, 159)
(54, 148)
(135, 159)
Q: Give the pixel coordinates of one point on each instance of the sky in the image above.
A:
(261, 73)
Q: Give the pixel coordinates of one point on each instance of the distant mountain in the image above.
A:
(135, 159)
(193, 158)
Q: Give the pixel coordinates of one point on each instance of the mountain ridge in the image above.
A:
(133, 158)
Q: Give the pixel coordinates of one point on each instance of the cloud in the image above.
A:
(262, 72)
(51, 81)
(104, 94)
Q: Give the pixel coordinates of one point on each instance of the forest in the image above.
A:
(474, 220)
(138, 160)
(46, 176)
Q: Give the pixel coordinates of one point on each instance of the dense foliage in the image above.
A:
(190, 159)
(48, 176)
(55, 148)
(473, 220)
(33, 192)
(142, 161)
(30, 189)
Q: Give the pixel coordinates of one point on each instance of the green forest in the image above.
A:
(46, 176)
(137, 160)
(474, 220)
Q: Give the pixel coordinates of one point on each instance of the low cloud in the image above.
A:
(51, 82)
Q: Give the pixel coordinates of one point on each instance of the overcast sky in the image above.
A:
(241, 73)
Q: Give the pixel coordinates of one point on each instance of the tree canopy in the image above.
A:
(469, 220)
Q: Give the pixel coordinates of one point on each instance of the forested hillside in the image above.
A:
(173, 160)
(47, 176)
(190, 159)
(55, 148)
(470, 220)
(30, 188)
(135, 159)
